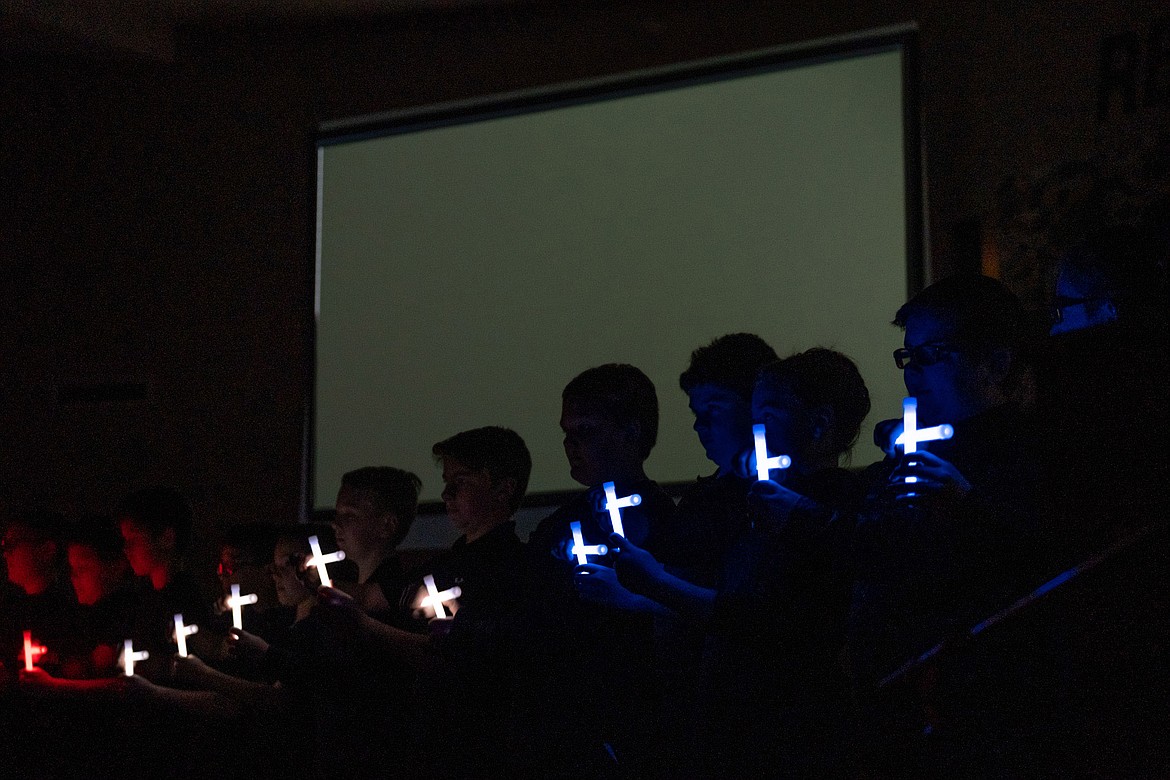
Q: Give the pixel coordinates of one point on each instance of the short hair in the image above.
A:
(499, 451)
(156, 509)
(98, 533)
(621, 392)
(730, 361)
(980, 310)
(818, 377)
(391, 490)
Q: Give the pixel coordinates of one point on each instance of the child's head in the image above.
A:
(962, 338)
(295, 584)
(609, 415)
(97, 565)
(812, 405)
(485, 475)
(718, 383)
(156, 526)
(32, 550)
(375, 508)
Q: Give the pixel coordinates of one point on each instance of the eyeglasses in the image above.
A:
(924, 354)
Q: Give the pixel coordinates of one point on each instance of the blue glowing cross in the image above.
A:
(764, 463)
(580, 549)
(912, 435)
(614, 506)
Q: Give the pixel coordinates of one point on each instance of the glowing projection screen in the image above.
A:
(469, 267)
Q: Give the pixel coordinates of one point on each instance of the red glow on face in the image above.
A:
(32, 652)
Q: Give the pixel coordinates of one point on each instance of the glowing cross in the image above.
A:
(32, 652)
(181, 634)
(130, 657)
(912, 435)
(236, 603)
(615, 505)
(580, 549)
(765, 463)
(436, 597)
(319, 560)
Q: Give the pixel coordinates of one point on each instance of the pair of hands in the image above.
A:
(622, 586)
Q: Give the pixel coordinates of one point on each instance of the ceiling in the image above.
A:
(145, 29)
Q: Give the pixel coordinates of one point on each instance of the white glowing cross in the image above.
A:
(130, 657)
(32, 652)
(765, 463)
(236, 603)
(435, 597)
(580, 549)
(319, 560)
(181, 634)
(614, 506)
(912, 435)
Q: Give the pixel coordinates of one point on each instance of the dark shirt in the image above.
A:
(776, 692)
(583, 674)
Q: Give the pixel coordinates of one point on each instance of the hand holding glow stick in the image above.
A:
(764, 463)
(236, 603)
(130, 657)
(181, 634)
(614, 506)
(319, 560)
(912, 435)
(582, 550)
(435, 598)
(32, 652)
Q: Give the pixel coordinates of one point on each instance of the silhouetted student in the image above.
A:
(45, 604)
(157, 526)
(966, 539)
(360, 694)
(584, 677)
(104, 586)
(462, 688)
(1103, 391)
(775, 694)
(712, 514)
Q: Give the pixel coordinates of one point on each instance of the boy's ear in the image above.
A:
(505, 488)
(999, 363)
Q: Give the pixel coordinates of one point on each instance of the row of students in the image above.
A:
(759, 627)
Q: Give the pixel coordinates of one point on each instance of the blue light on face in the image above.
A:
(582, 550)
(912, 435)
(764, 463)
(615, 505)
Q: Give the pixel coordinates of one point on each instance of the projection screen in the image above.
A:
(473, 258)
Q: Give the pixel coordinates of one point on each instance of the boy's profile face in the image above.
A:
(145, 551)
(723, 422)
(469, 497)
(361, 529)
(948, 390)
(93, 578)
(28, 559)
(596, 446)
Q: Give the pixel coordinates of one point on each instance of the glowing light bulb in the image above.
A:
(912, 435)
(320, 560)
(236, 604)
(131, 657)
(181, 634)
(32, 652)
(582, 550)
(615, 505)
(435, 598)
(765, 464)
